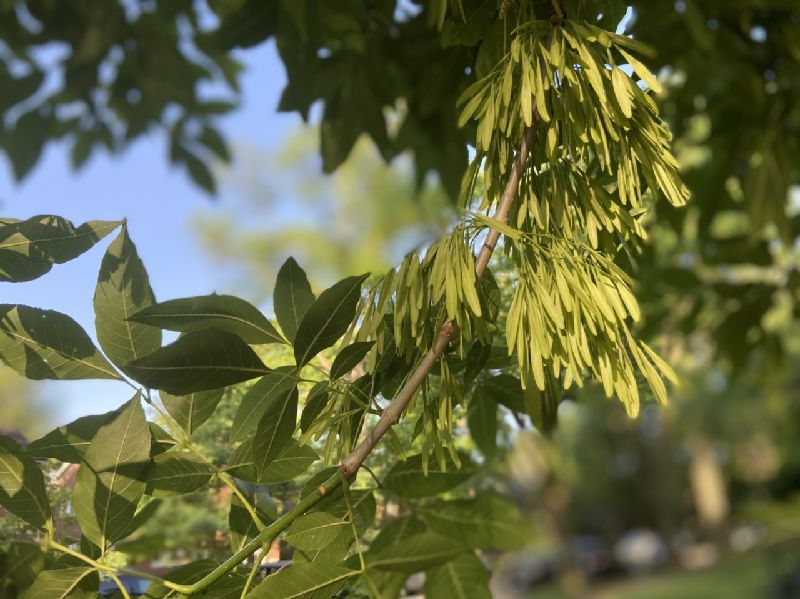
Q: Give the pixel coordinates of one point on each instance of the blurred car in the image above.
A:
(135, 586)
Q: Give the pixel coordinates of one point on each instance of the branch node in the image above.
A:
(448, 328)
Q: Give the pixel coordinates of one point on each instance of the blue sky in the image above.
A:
(158, 202)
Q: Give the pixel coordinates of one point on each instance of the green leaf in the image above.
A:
(192, 410)
(327, 319)
(498, 226)
(316, 401)
(334, 552)
(69, 442)
(275, 429)
(112, 478)
(315, 530)
(258, 398)
(123, 288)
(28, 249)
(292, 461)
(292, 297)
(57, 584)
(407, 478)
(643, 72)
(482, 422)
(620, 83)
(199, 172)
(22, 488)
(490, 521)
(349, 357)
(464, 577)
(177, 473)
(211, 139)
(476, 360)
(396, 532)
(19, 566)
(418, 552)
(224, 312)
(198, 361)
(160, 440)
(304, 581)
(504, 389)
(44, 344)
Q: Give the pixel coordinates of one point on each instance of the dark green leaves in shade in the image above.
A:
(349, 357)
(160, 440)
(20, 563)
(482, 422)
(292, 461)
(44, 344)
(464, 577)
(123, 288)
(224, 312)
(304, 581)
(192, 410)
(390, 582)
(58, 584)
(275, 429)
(69, 442)
(258, 398)
(28, 249)
(396, 532)
(316, 401)
(315, 530)
(503, 389)
(22, 488)
(418, 552)
(292, 297)
(175, 473)
(327, 318)
(198, 361)
(408, 479)
(489, 521)
(112, 478)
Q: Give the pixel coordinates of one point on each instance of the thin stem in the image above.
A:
(130, 572)
(351, 516)
(265, 537)
(372, 474)
(186, 443)
(253, 571)
(228, 480)
(84, 558)
(110, 570)
(120, 586)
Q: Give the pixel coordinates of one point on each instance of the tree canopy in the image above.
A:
(546, 125)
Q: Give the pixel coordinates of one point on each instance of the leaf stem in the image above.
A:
(185, 441)
(352, 517)
(120, 586)
(265, 537)
(253, 571)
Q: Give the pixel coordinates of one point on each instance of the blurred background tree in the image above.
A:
(361, 218)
